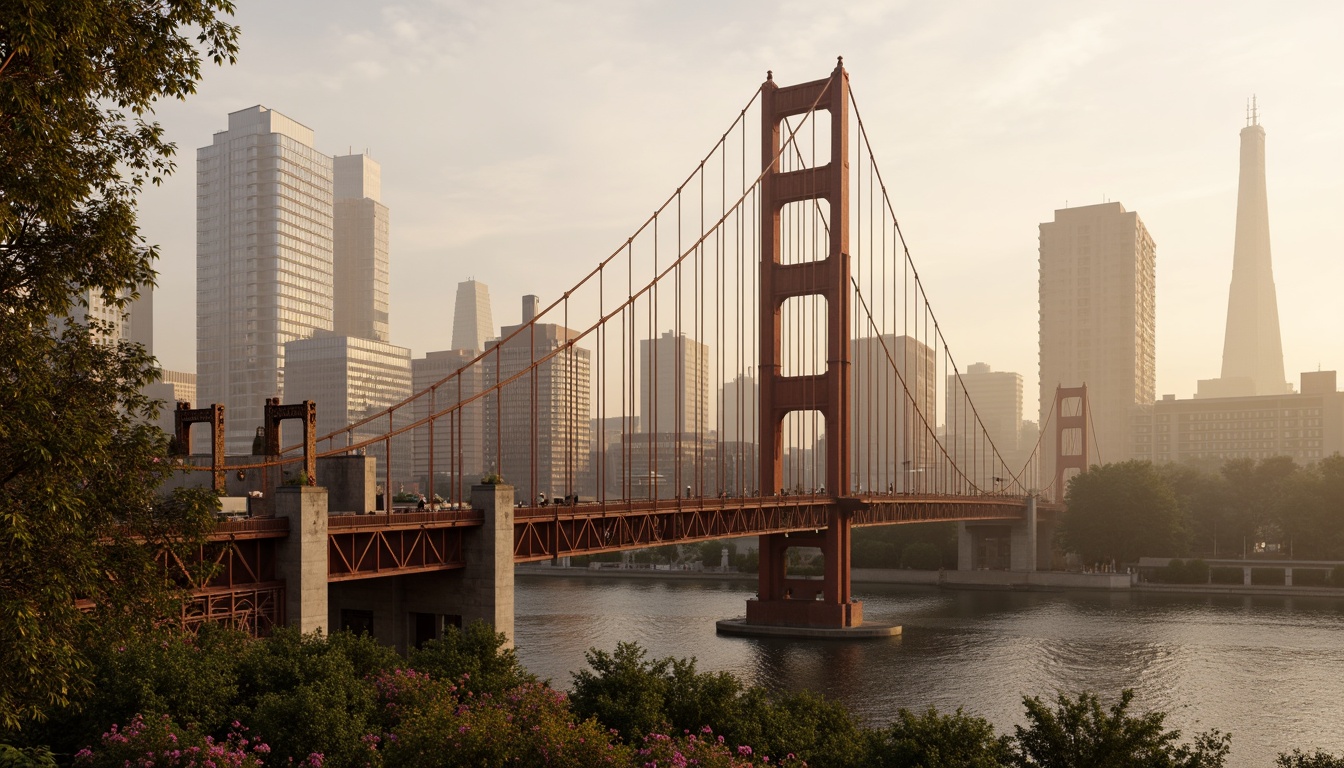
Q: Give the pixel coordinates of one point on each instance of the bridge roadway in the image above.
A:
(370, 546)
(267, 566)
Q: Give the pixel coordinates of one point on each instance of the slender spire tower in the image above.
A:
(1252, 348)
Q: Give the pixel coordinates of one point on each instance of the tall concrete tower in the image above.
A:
(472, 321)
(1252, 348)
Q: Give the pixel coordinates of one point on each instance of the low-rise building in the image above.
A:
(1306, 425)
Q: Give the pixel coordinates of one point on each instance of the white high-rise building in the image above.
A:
(673, 385)
(1098, 321)
(360, 243)
(472, 321)
(264, 274)
(351, 379)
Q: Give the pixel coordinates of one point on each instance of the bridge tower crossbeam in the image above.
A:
(780, 601)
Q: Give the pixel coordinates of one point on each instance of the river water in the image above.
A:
(1270, 670)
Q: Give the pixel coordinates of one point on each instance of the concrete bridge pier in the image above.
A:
(1006, 546)
(301, 557)
(407, 610)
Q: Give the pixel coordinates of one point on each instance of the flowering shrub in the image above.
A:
(703, 750)
(444, 724)
(159, 743)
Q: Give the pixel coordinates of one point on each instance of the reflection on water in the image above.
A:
(1269, 670)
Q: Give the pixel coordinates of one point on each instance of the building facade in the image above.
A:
(458, 438)
(984, 403)
(1252, 346)
(1097, 320)
(264, 273)
(674, 385)
(473, 323)
(352, 379)
(1307, 425)
(893, 414)
(538, 426)
(360, 250)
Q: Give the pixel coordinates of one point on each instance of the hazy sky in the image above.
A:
(522, 142)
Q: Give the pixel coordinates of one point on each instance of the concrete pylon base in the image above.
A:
(740, 627)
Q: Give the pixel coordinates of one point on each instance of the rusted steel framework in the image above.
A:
(389, 545)
(241, 590)
(827, 392)
(305, 412)
(184, 417)
(542, 533)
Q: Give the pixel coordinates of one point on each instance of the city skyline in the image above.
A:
(497, 199)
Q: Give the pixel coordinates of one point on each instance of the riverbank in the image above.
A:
(1027, 581)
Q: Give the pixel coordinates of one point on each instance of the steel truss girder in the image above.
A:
(256, 609)
(541, 534)
(367, 553)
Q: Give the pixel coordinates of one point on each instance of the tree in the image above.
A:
(934, 740)
(1300, 759)
(78, 464)
(1121, 511)
(476, 651)
(1078, 732)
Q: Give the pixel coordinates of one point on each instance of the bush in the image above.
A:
(158, 741)
(1078, 732)
(940, 741)
(474, 657)
(637, 697)
(442, 724)
(311, 694)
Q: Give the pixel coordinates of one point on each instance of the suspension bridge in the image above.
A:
(777, 274)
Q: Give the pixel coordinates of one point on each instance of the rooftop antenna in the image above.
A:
(1255, 111)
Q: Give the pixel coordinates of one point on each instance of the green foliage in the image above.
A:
(711, 552)
(933, 740)
(158, 741)
(624, 691)
(805, 724)
(1077, 732)
(494, 478)
(885, 546)
(476, 658)
(1121, 511)
(77, 80)
(921, 556)
(305, 693)
(161, 672)
(26, 757)
(441, 724)
(1317, 759)
(635, 696)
